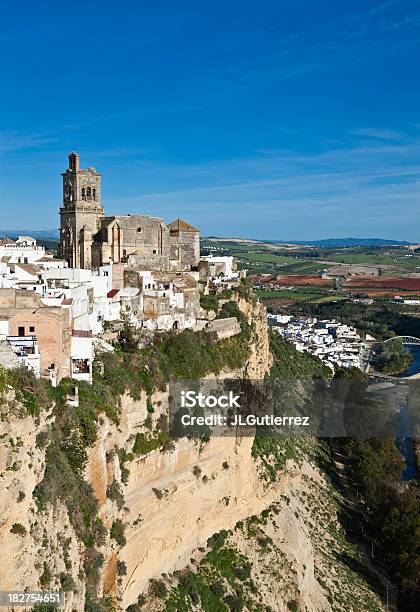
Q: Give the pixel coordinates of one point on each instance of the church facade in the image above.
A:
(89, 239)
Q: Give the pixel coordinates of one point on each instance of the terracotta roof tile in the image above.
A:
(181, 225)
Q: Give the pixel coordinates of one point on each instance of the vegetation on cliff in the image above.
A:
(271, 446)
(66, 443)
(174, 356)
(29, 392)
(185, 355)
(252, 566)
(392, 516)
(290, 364)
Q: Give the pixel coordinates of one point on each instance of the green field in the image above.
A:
(304, 267)
(260, 259)
(266, 258)
(376, 259)
(304, 294)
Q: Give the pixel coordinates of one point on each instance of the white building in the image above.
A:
(22, 250)
(81, 355)
(27, 351)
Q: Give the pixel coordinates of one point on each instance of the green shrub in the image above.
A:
(67, 582)
(117, 532)
(94, 560)
(29, 391)
(157, 588)
(196, 471)
(124, 457)
(41, 439)
(235, 602)
(143, 444)
(128, 338)
(46, 576)
(18, 529)
(209, 302)
(217, 540)
(121, 568)
(113, 492)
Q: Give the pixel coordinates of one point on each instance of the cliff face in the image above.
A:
(259, 359)
(160, 507)
(175, 500)
(35, 545)
(168, 510)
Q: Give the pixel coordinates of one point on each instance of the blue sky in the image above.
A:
(287, 120)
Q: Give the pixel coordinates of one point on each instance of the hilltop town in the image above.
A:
(96, 483)
(113, 271)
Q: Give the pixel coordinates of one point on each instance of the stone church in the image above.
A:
(89, 239)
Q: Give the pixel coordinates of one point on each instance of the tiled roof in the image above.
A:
(185, 281)
(29, 268)
(81, 333)
(181, 225)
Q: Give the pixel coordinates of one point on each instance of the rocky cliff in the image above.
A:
(155, 502)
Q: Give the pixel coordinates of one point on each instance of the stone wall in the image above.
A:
(51, 326)
(185, 249)
(224, 328)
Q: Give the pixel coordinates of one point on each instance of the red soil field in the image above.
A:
(312, 281)
(381, 292)
(384, 282)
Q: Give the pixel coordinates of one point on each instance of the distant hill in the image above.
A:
(37, 234)
(342, 242)
(326, 242)
(54, 235)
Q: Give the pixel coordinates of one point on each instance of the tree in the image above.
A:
(128, 339)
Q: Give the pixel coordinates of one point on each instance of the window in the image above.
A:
(83, 193)
(89, 192)
(31, 329)
(21, 331)
(94, 194)
(154, 251)
(139, 230)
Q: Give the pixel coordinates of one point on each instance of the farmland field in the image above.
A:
(403, 261)
(300, 259)
(382, 282)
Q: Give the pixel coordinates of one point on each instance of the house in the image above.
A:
(23, 250)
(26, 315)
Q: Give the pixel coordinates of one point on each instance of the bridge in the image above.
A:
(405, 340)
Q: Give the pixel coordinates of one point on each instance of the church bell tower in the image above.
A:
(80, 214)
